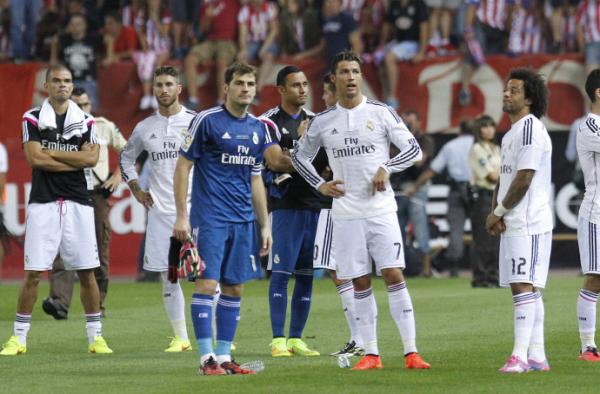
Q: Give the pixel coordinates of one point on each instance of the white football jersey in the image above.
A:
(527, 146)
(357, 142)
(588, 150)
(161, 137)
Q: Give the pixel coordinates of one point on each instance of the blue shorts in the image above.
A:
(294, 233)
(229, 251)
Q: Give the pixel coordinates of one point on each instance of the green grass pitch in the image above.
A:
(466, 334)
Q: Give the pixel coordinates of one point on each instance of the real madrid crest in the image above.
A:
(370, 125)
(255, 138)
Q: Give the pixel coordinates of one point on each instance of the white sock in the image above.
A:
(21, 327)
(216, 297)
(93, 326)
(346, 292)
(586, 315)
(536, 345)
(402, 312)
(524, 318)
(365, 319)
(223, 358)
(174, 306)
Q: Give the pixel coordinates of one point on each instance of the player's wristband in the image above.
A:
(500, 210)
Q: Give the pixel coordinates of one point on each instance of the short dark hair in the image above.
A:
(327, 81)
(344, 56)
(78, 91)
(167, 70)
(412, 111)
(466, 126)
(114, 15)
(56, 67)
(592, 83)
(284, 72)
(238, 68)
(535, 89)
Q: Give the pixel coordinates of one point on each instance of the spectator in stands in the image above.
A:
(562, 15)
(300, 30)
(258, 30)
(219, 26)
(24, 15)
(529, 24)
(120, 41)
(412, 201)
(370, 25)
(152, 24)
(130, 11)
(406, 23)
(454, 158)
(78, 50)
(588, 32)
(340, 31)
(48, 29)
(485, 33)
(185, 13)
(441, 13)
(484, 160)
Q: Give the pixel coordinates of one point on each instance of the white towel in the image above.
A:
(74, 121)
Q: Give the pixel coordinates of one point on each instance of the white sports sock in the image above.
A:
(21, 327)
(524, 318)
(174, 306)
(586, 315)
(346, 292)
(93, 326)
(402, 312)
(365, 319)
(536, 345)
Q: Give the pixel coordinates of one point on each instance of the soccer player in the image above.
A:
(225, 146)
(59, 141)
(356, 134)
(104, 183)
(324, 258)
(588, 146)
(522, 214)
(294, 208)
(161, 135)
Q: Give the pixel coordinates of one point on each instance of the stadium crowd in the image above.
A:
(87, 34)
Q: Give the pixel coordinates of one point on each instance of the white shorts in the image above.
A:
(587, 238)
(61, 227)
(158, 239)
(360, 240)
(323, 254)
(525, 259)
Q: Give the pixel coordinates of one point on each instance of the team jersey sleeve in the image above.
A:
(129, 154)
(531, 144)
(197, 136)
(30, 131)
(90, 135)
(590, 135)
(398, 133)
(307, 148)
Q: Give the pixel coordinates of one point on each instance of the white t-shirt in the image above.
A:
(161, 137)
(527, 146)
(357, 142)
(588, 150)
(3, 159)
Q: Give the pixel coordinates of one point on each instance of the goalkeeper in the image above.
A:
(161, 134)
(225, 146)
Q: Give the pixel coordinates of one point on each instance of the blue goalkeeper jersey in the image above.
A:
(227, 151)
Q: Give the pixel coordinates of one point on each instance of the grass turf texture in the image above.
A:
(466, 334)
